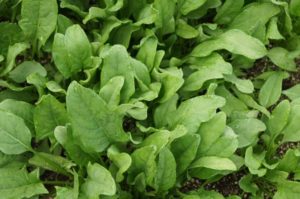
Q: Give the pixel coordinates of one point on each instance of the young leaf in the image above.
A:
(121, 160)
(279, 117)
(98, 182)
(184, 150)
(51, 162)
(291, 131)
(166, 171)
(143, 163)
(270, 92)
(72, 51)
(293, 92)
(215, 163)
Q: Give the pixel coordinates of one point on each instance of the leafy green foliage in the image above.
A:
(149, 99)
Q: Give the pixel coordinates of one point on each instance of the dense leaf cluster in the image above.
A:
(149, 99)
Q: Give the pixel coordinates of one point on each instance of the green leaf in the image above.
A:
(234, 41)
(283, 58)
(165, 21)
(38, 19)
(143, 161)
(249, 101)
(279, 117)
(207, 68)
(64, 136)
(247, 185)
(77, 6)
(290, 161)
(15, 137)
(232, 102)
(273, 30)
(20, 184)
(89, 113)
(116, 62)
(95, 12)
(63, 23)
(222, 142)
(287, 189)
(254, 16)
(228, 11)
(171, 79)
(98, 182)
(10, 33)
(215, 163)
(254, 162)
(66, 192)
(291, 132)
(111, 91)
(190, 5)
(166, 171)
(12, 53)
(184, 30)
(48, 114)
(295, 7)
(184, 150)
(247, 130)
(21, 109)
(20, 73)
(270, 92)
(121, 160)
(147, 51)
(243, 85)
(158, 139)
(293, 92)
(192, 112)
(72, 52)
(52, 162)
(164, 112)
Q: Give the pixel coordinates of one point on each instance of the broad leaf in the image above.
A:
(38, 19)
(89, 113)
(98, 182)
(15, 137)
(235, 41)
(72, 51)
(48, 114)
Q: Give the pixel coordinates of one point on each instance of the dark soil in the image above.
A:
(260, 66)
(294, 77)
(282, 149)
(191, 185)
(229, 185)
